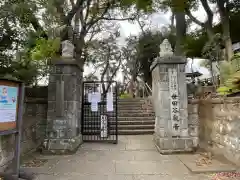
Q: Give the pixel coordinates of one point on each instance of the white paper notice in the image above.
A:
(109, 101)
(95, 97)
(94, 106)
(89, 97)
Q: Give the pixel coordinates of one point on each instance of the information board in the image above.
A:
(11, 112)
(9, 92)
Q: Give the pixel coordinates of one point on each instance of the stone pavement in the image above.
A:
(134, 158)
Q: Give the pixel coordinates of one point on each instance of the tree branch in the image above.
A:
(117, 19)
(72, 3)
(195, 20)
(208, 11)
(59, 7)
(78, 7)
(92, 21)
(87, 11)
(115, 72)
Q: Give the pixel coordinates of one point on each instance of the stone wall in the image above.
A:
(193, 121)
(220, 127)
(34, 121)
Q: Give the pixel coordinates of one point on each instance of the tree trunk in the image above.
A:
(224, 16)
(131, 87)
(172, 21)
(180, 32)
(228, 47)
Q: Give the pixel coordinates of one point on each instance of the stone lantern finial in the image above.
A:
(165, 49)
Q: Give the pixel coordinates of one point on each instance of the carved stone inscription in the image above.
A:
(174, 101)
(60, 127)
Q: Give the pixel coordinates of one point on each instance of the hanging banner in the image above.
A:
(94, 106)
(8, 105)
(109, 101)
(94, 98)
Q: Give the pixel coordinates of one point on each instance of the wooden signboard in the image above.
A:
(9, 97)
(11, 112)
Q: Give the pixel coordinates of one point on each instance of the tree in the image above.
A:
(224, 11)
(87, 14)
(16, 25)
(131, 65)
(106, 57)
(208, 24)
(147, 50)
(196, 41)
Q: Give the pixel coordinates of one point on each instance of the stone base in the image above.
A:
(175, 145)
(62, 146)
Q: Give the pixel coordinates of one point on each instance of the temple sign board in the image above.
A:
(11, 112)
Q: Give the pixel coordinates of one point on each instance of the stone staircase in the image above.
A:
(135, 116)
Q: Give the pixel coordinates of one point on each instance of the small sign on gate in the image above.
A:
(104, 126)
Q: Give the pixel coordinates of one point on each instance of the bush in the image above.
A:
(230, 76)
(125, 96)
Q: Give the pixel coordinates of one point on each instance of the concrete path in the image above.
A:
(134, 158)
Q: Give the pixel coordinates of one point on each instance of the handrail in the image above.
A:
(147, 89)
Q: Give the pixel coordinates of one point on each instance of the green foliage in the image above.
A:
(147, 50)
(212, 49)
(45, 49)
(194, 43)
(125, 96)
(230, 76)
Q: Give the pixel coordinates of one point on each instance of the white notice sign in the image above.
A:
(94, 106)
(104, 126)
(109, 101)
(95, 97)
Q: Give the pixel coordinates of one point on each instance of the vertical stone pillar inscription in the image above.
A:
(174, 101)
(64, 105)
(170, 102)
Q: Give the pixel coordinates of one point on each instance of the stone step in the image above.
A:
(134, 103)
(135, 108)
(134, 99)
(147, 118)
(121, 107)
(120, 118)
(139, 111)
(144, 107)
(120, 127)
(135, 114)
(136, 132)
(122, 132)
(149, 122)
(135, 126)
(141, 122)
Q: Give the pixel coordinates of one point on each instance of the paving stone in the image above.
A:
(214, 167)
(139, 167)
(134, 158)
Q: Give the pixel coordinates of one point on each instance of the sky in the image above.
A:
(157, 21)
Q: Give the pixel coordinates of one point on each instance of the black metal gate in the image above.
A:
(99, 111)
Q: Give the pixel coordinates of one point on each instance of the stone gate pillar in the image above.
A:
(170, 102)
(63, 132)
